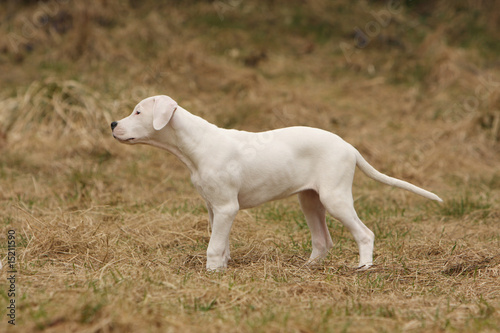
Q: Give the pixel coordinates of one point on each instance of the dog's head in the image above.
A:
(149, 116)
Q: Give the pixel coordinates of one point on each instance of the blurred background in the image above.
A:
(414, 85)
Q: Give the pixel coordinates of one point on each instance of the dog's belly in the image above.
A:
(276, 178)
(248, 199)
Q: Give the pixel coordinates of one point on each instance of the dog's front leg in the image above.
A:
(218, 247)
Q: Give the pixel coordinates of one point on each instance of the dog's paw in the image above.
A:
(364, 267)
(216, 266)
(216, 270)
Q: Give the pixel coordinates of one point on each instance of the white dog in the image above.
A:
(234, 170)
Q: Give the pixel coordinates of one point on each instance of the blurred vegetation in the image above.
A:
(210, 53)
(33, 28)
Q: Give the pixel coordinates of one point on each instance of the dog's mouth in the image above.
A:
(129, 140)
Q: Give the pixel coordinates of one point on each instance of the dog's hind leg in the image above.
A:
(315, 215)
(340, 205)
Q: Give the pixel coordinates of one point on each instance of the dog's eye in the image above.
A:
(137, 112)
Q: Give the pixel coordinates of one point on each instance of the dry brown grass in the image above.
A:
(112, 238)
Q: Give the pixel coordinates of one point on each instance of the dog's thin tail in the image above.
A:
(374, 174)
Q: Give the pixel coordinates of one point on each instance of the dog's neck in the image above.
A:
(183, 136)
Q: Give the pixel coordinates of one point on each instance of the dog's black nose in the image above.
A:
(113, 125)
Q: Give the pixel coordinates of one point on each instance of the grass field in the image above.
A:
(112, 238)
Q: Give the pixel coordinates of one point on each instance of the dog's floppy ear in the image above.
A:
(163, 110)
